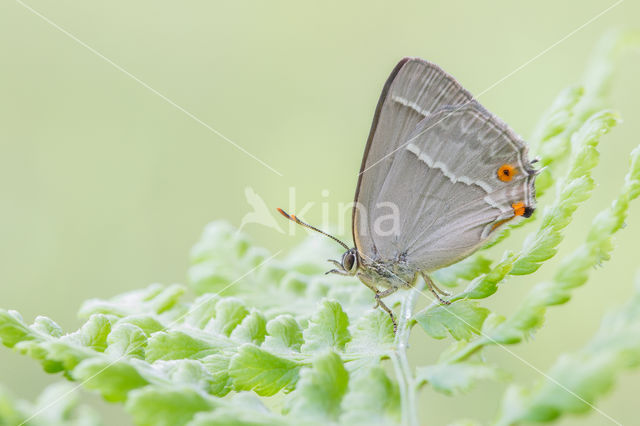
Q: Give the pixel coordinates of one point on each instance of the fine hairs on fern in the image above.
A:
(307, 349)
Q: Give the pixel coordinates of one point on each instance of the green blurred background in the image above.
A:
(105, 185)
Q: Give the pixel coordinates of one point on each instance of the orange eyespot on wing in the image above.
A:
(518, 209)
(506, 172)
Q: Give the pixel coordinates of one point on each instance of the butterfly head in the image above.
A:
(349, 261)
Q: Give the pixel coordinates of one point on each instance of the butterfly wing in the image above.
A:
(414, 89)
(441, 195)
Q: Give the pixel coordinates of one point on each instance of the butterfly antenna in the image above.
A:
(295, 219)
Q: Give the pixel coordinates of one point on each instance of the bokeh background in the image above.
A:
(104, 185)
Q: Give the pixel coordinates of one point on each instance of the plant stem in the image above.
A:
(404, 374)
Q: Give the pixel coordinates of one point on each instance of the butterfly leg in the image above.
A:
(439, 290)
(435, 290)
(335, 262)
(378, 296)
(339, 271)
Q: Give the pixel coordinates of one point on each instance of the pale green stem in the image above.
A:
(404, 374)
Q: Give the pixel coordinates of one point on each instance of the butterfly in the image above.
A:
(439, 175)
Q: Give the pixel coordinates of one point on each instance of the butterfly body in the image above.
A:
(387, 273)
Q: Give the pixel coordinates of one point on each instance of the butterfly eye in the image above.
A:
(349, 261)
(506, 172)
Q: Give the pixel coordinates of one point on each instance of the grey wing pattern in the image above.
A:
(436, 157)
(414, 89)
(446, 180)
